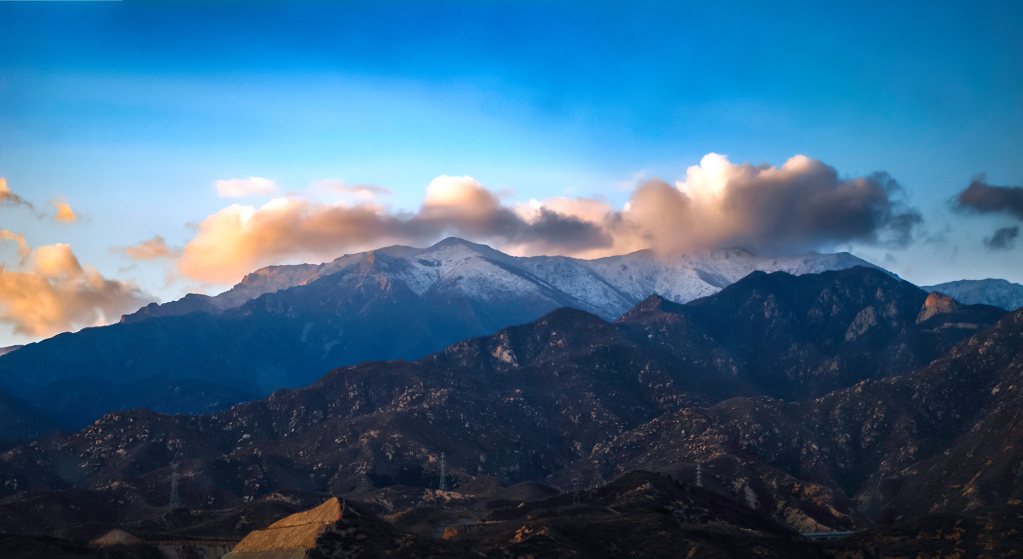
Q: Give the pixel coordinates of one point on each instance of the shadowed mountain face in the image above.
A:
(939, 439)
(569, 396)
(286, 326)
(21, 420)
(803, 336)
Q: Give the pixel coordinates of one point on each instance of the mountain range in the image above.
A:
(816, 400)
(286, 326)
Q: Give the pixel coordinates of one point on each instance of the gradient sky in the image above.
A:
(131, 111)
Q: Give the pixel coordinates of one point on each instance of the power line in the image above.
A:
(443, 474)
(175, 498)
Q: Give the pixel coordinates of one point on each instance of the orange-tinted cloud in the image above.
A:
(153, 249)
(64, 213)
(24, 251)
(238, 239)
(51, 292)
(800, 205)
(236, 188)
(9, 198)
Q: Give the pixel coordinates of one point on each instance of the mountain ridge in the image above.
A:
(570, 396)
(544, 268)
(285, 326)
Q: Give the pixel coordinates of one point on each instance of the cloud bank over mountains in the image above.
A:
(801, 205)
(51, 292)
(48, 291)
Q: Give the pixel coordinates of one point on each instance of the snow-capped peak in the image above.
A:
(605, 286)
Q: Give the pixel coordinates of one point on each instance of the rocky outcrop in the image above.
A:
(116, 537)
(292, 537)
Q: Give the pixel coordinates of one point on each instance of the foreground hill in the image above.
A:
(286, 326)
(640, 516)
(572, 397)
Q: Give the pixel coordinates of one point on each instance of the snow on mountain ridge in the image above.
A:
(995, 292)
(607, 286)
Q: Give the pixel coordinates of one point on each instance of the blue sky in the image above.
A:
(131, 111)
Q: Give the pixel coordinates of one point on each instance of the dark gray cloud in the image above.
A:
(982, 197)
(552, 231)
(1003, 239)
(802, 205)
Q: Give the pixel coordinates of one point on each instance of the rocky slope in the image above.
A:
(799, 336)
(959, 435)
(570, 396)
(941, 439)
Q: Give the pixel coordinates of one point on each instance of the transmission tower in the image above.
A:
(175, 498)
(443, 474)
(699, 476)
